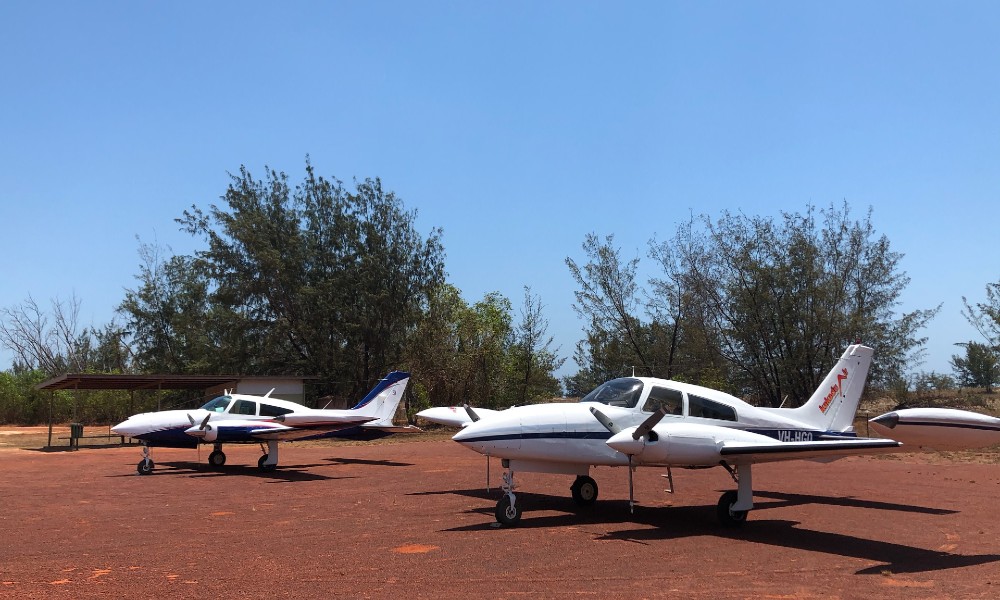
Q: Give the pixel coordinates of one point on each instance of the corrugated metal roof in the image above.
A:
(98, 381)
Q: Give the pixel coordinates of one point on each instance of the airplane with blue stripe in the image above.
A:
(242, 419)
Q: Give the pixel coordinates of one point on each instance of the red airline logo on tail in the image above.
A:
(833, 391)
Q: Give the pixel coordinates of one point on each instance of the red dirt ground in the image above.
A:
(412, 519)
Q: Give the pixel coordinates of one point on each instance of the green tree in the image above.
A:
(985, 316)
(460, 353)
(784, 297)
(532, 362)
(167, 316)
(756, 306)
(316, 279)
(980, 367)
(608, 297)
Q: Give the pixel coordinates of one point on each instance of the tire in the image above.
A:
(145, 467)
(508, 515)
(217, 459)
(584, 490)
(727, 516)
(263, 467)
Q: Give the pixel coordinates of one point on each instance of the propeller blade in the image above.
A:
(649, 423)
(204, 424)
(604, 420)
(190, 419)
(472, 413)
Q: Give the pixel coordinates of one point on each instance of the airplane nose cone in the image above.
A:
(624, 443)
(126, 427)
(888, 420)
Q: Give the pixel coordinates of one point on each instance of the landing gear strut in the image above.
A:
(146, 465)
(735, 504)
(508, 512)
(269, 460)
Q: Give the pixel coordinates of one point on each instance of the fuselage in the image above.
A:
(180, 428)
(569, 432)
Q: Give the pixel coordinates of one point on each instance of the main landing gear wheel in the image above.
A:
(217, 458)
(727, 516)
(584, 490)
(508, 514)
(263, 467)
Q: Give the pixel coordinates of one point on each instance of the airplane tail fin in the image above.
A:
(384, 399)
(833, 405)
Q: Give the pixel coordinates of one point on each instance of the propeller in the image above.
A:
(604, 420)
(646, 426)
(203, 426)
(472, 413)
(629, 449)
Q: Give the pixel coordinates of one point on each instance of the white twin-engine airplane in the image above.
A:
(239, 418)
(643, 421)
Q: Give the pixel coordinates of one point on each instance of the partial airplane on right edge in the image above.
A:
(644, 421)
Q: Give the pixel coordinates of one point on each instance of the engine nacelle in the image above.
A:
(686, 444)
(681, 448)
(206, 434)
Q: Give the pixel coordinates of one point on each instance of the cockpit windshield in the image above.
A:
(624, 392)
(218, 404)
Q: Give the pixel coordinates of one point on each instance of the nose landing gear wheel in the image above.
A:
(508, 514)
(145, 467)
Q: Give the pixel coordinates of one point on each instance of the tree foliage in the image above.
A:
(313, 279)
(980, 367)
(762, 307)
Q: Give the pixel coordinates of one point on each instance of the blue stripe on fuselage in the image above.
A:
(173, 437)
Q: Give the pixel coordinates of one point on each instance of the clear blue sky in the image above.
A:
(517, 127)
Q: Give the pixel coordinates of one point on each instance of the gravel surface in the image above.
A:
(413, 519)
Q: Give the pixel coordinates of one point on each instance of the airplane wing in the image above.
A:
(394, 428)
(292, 426)
(753, 452)
(455, 416)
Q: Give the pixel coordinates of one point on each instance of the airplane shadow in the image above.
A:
(281, 474)
(360, 461)
(851, 502)
(690, 521)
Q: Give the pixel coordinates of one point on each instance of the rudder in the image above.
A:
(833, 405)
(383, 400)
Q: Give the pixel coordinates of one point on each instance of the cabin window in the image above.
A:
(268, 410)
(624, 392)
(218, 404)
(671, 400)
(244, 407)
(710, 409)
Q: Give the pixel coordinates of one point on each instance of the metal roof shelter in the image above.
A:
(98, 381)
(131, 383)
